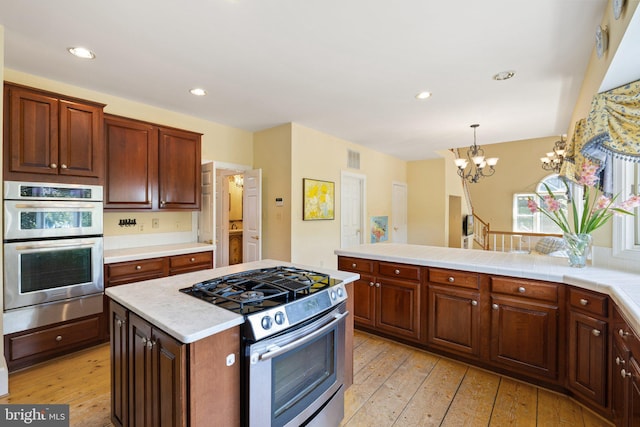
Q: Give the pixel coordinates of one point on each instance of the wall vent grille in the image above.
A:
(353, 160)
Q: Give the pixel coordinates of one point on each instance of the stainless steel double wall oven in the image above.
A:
(53, 253)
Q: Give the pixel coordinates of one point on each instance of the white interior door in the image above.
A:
(399, 212)
(252, 216)
(352, 204)
(206, 221)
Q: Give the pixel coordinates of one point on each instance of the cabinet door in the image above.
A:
(140, 373)
(119, 365)
(524, 336)
(633, 375)
(178, 169)
(619, 382)
(169, 387)
(364, 300)
(587, 356)
(81, 147)
(398, 308)
(32, 125)
(131, 159)
(454, 320)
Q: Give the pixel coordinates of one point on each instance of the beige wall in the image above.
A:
(272, 154)
(321, 156)
(220, 143)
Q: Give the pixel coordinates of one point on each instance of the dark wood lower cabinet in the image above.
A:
(158, 381)
(398, 308)
(364, 304)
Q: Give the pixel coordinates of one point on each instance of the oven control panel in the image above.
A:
(277, 319)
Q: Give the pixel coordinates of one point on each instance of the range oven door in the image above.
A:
(37, 272)
(298, 376)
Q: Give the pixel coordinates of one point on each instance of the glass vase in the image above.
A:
(578, 248)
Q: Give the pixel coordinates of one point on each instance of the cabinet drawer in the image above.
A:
(403, 271)
(454, 278)
(356, 265)
(591, 302)
(525, 288)
(135, 271)
(191, 262)
(54, 339)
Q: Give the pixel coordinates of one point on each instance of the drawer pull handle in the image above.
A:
(353, 265)
(619, 361)
(138, 267)
(495, 306)
(595, 332)
(584, 301)
(451, 279)
(622, 333)
(59, 338)
(474, 303)
(624, 374)
(521, 289)
(397, 271)
(192, 260)
(371, 284)
(377, 285)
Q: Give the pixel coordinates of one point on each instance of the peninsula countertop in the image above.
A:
(623, 287)
(188, 319)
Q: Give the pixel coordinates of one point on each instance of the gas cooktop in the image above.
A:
(272, 299)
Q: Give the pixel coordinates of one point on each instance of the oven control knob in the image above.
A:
(279, 318)
(266, 322)
(340, 292)
(332, 294)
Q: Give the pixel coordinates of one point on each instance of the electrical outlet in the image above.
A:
(178, 225)
(155, 223)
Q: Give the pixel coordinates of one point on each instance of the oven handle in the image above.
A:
(276, 351)
(53, 245)
(53, 206)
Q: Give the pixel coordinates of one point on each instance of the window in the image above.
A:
(527, 222)
(626, 228)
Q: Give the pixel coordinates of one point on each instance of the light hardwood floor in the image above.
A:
(394, 385)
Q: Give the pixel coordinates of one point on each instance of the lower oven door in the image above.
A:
(297, 377)
(37, 272)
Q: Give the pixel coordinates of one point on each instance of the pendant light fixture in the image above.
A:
(475, 166)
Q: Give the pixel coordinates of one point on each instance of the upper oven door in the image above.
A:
(30, 219)
(37, 272)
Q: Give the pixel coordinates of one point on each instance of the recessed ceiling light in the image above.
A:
(423, 95)
(197, 91)
(504, 75)
(81, 52)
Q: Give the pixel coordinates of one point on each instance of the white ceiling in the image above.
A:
(350, 68)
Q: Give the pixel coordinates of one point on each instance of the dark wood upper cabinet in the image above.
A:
(52, 137)
(150, 167)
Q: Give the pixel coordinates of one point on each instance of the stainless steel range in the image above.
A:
(293, 343)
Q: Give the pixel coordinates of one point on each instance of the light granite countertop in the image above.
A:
(188, 319)
(623, 287)
(146, 252)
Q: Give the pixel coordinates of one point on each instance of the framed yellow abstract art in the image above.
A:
(318, 199)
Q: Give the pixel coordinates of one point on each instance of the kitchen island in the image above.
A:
(528, 316)
(176, 358)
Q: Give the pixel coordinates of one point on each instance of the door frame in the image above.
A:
(363, 203)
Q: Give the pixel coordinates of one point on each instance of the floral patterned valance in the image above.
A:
(613, 125)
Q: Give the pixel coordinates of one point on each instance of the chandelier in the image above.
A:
(553, 160)
(477, 163)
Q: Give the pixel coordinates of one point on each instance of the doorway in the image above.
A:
(352, 218)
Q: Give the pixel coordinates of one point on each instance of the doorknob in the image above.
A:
(255, 237)
(395, 228)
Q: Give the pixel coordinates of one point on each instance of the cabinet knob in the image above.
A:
(624, 373)
(144, 340)
(474, 303)
(584, 301)
(192, 260)
(521, 289)
(162, 202)
(150, 344)
(59, 338)
(53, 166)
(138, 267)
(595, 332)
(451, 279)
(353, 265)
(623, 333)
(495, 306)
(377, 285)
(397, 271)
(119, 323)
(63, 166)
(371, 284)
(619, 361)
